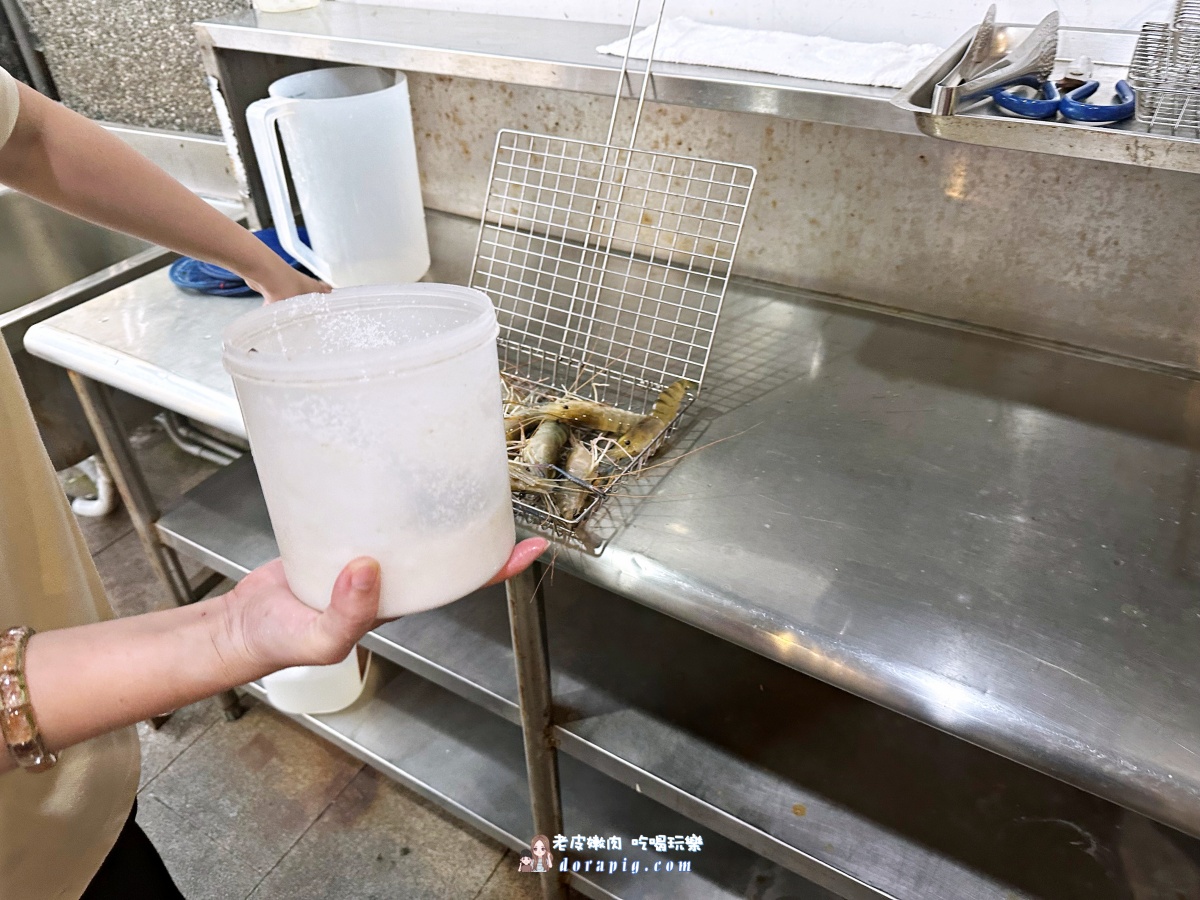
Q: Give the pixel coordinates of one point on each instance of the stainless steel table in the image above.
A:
(992, 539)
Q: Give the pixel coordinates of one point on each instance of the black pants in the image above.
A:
(132, 868)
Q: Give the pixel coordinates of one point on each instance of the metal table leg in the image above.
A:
(118, 454)
(527, 619)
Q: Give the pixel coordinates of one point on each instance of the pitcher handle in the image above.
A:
(261, 119)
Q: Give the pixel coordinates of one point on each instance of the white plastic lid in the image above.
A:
(353, 333)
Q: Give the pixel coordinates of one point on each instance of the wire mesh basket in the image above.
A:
(1165, 72)
(608, 266)
(1187, 14)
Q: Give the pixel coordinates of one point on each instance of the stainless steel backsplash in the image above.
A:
(1098, 256)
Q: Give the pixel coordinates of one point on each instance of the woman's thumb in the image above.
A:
(352, 608)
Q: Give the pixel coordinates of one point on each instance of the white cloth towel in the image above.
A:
(683, 40)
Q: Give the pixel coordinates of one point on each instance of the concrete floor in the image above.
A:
(261, 808)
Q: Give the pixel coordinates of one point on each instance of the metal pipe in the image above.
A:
(221, 442)
(190, 441)
(27, 46)
(527, 620)
(105, 500)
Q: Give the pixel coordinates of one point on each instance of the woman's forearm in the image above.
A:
(87, 680)
(92, 679)
(71, 163)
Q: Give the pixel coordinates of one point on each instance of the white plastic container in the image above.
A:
(283, 6)
(375, 422)
(348, 137)
(316, 690)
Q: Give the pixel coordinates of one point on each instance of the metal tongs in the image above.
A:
(945, 92)
(972, 77)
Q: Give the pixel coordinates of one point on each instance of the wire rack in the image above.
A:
(1165, 72)
(608, 266)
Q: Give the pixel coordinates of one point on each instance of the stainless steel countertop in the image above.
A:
(892, 808)
(153, 340)
(159, 342)
(540, 53)
(995, 539)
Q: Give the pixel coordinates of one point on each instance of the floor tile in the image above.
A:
(379, 840)
(103, 531)
(203, 869)
(161, 746)
(507, 883)
(256, 784)
(129, 579)
(169, 471)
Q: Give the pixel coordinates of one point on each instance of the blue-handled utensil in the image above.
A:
(1075, 108)
(1028, 98)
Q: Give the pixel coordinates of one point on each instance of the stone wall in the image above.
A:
(130, 61)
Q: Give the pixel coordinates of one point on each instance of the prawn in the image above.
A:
(515, 425)
(589, 414)
(649, 428)
(581, 466)
(544, 447)
(666, 407)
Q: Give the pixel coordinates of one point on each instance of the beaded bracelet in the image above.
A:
(17, 723)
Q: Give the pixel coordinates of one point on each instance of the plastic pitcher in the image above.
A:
(375, 422)
(348, 136)
(316, 690)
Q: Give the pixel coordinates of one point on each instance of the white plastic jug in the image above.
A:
(375, 422)
(316, 690)
(349, 140)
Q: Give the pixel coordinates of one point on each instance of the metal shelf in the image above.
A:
(535, 52)
(937, 521)
(561, 55)
(473, 765)
(1126, 142)
(874, 805)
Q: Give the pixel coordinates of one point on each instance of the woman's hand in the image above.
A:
(523, 556)
(283, 282)
(269, 628)
(94, 678)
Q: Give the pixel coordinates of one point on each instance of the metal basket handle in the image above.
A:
(624, 77)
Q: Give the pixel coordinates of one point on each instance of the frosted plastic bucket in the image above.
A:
(375, 422)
